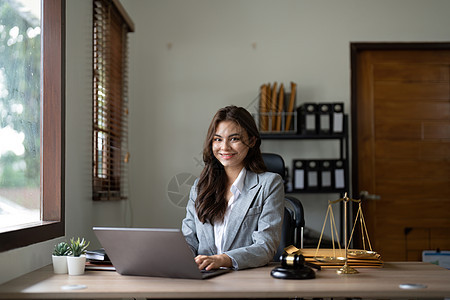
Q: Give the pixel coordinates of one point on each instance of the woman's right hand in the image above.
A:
(213, 262)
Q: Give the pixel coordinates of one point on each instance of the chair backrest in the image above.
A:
(275, 163)
(294, 221)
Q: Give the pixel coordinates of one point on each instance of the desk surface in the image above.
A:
(253, 283)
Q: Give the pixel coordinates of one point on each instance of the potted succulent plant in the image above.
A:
(77, 260)
(59, 258)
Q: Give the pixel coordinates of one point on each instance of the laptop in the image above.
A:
(151, 252)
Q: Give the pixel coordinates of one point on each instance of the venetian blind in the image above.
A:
(110, 100)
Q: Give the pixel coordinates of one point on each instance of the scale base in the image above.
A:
(346, 269)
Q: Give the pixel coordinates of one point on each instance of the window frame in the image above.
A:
(52, 224)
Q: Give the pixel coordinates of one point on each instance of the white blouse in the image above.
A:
(221, 229)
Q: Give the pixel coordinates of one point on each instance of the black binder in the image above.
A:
(307, 118)
(312, 175)
(325, 114)
(338, 117)
(326, 175)
(299, 175)
(339, 175)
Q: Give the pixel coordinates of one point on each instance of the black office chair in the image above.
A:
(294, 219)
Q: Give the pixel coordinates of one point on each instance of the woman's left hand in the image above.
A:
(213, 261)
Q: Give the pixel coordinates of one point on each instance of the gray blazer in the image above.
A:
(254, 227)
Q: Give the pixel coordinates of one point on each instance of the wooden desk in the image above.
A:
(254, 283)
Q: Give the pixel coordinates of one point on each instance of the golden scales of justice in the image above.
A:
(346, 269)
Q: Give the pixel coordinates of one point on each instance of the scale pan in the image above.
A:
(361, 253)
(329, 259)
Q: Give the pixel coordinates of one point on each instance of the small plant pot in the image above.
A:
(76, 264)
(59, 264)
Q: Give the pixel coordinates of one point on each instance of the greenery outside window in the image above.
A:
(111, 26)
(39, 166)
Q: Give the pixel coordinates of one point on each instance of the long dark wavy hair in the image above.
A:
(211, 204)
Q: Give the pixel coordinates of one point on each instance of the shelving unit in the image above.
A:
(343, 146)
(342, 138)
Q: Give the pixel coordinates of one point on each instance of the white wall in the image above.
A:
(189, 58)
(220, 53)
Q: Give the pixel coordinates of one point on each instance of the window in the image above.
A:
(50, 139)
(110, 100)
(20, 64)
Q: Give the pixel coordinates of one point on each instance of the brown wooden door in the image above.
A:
(401, 148)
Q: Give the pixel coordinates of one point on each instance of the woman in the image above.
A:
(234, 214)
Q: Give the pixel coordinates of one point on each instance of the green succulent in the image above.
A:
(61, 249)
(78, 247)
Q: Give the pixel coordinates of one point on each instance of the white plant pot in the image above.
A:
(76, 264)
(59, 264)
